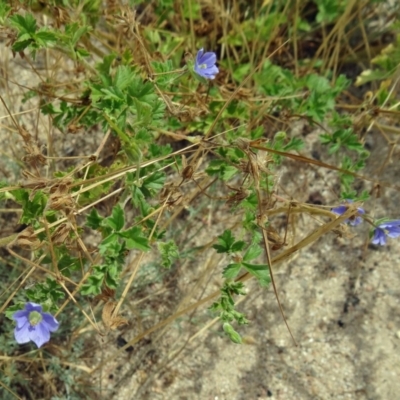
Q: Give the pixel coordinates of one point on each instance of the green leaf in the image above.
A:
(165, 74)
(260, 271)
(235, 287)
(117, 220)
(343, 138)
(143, 111)
(113, 93)
(219, 167)
(135, 239)
(25, 36)
(31, 208)
(169, 253)
(229, 172)
(29, 94)
(111, 281)
(44, 38)
(123, 77)
(93, 220)
(156, 150)
(75, 32)
(48, 293)
(294, 144)
(93, 285)
(153, 183)
(241, 71)
(191, 9)
(318, 83)
(226, 243)
(329, 10)
(231, 271)
(252, 252)
(66, 264)
(250, 202)
(138, 198)
(4, 11)
(21, 46)
(111, 246)
(81, 53)
(104, 68)
(233, 335)
(26, 24)
(237, 246)
(214, 167)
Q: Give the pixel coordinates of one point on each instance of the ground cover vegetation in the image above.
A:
(146, 151)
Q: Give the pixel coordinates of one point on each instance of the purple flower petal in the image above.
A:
(51, 323)
(22, 334)
(390, 224)
(386, 229)
(33, 307)
(21, 317)
(210, 73)
(339, 210)
(353, 221)
(209, 59)
(199, 55)
(393, 232)
(205, 64)
(379, 237)
(39, 334)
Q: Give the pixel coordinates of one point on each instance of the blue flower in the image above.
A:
(386, 228)
(355, 219)
(205, 64)
(34, 324)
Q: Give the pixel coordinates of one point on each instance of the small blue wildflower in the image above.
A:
(355, 219)
(34, 324)
(384, 229)
(205, 64)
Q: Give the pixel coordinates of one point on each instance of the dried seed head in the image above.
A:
(60, 234)
(238, 196)
(171, 194)
(27, 239)
(110, 321)
(243, 144)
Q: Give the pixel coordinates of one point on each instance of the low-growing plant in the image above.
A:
(155, 160)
